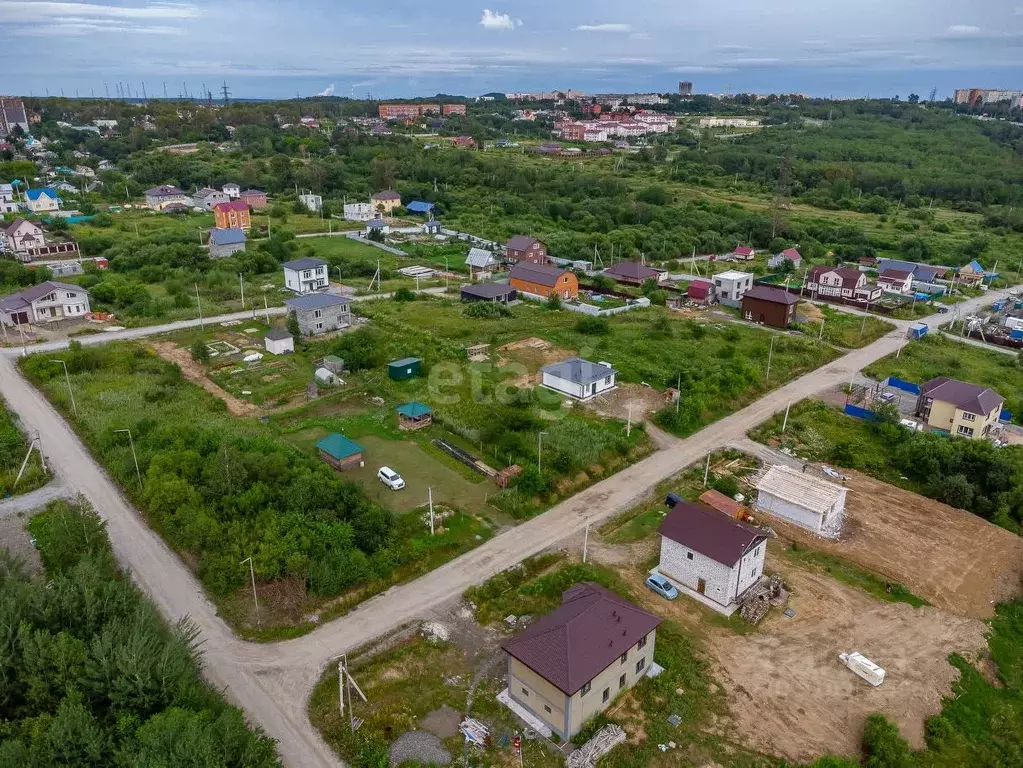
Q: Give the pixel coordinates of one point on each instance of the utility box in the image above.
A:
(402, 370)
(917, 330)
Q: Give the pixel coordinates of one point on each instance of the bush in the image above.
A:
(403, 294)
(485, 310)
(593, 326)
(883, 746)
(554, 301)
(200, 352)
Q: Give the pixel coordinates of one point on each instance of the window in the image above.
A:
(642, 643)
(585, 690)
(621, 682)
(546, 709)
(306, 274)
(966, 416)
(525, 692)
(689, 555)
(607, 380)
(71, 296)
(317, 313)
(607, 694)
(623, 658)
(639, 665)
(965, 431)
(319, 326)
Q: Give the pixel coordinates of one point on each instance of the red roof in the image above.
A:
(699, 289)
(234, 205)
(792, 254)
(894, 274)
(850, 277)
(720, 502)
(743, 250)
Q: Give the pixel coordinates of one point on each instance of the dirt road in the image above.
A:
(272, 683)
(196, 374)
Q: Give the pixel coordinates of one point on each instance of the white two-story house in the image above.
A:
(47, 302)
(841, 283)
(45, 200)
(305, 275)
(710, 556)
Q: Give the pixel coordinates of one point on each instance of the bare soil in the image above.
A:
(810, 311)
(950, 557)
(17, 541)
(195, 373)
(616, 404)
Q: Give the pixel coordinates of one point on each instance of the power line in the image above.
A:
(226, 93)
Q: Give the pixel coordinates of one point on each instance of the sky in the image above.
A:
(401, 48)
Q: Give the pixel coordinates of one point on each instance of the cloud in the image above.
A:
(27, 12)
(616, 28)
(328, 91)
(639, 36)
(963, 29)
(496, 20)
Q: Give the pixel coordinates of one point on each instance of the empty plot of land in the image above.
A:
(195, 373)
(950, 557)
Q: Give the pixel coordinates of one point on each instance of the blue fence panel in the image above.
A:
(1005, 416)
(905, 386)
(859, 413)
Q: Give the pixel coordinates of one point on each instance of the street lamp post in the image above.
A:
(70, 391)
(134, 456)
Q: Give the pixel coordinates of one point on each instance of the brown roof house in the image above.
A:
(572, 663)
(710, 557)
(959, 408)
(528, 249)
(841, 282)
(385, 201)
(772, 306)
(543, 280)
(634, 273)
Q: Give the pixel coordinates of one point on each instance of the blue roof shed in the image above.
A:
(419, 206)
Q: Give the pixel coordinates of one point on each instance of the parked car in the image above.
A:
(887, 397)
(390, 478)
(662, 586)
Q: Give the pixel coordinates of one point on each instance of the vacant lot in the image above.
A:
(954, 559)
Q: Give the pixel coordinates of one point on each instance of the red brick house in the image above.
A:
(529, 249)
(233, 215)
(253, 198)
(543, 280)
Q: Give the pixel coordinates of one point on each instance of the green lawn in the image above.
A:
(844, 329)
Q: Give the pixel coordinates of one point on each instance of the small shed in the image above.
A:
(340, 452)
(800, 498)
(279, 342)
(700, 291)
(724, 504)
(333, 363)
(414, 415)
(404, 369)
(329, 378)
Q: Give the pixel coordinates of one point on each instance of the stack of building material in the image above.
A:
(603, 741)
(760, 597)
(475, 732)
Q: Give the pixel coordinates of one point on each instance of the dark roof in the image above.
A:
(224, 236)
(579, 371)
(542, 274)
(253, 193)
(414, 410)
(165, 190)
(277, 334)
(339, 446)
(700, 289)
(404, 362)
(38, 291)
(771, 294)
(709, 532)
(307, 263)
(632, 270)
(387, 195)
(582, 637)
(894, 274)
(971, 398)
(376, 223)
(234, 205)
(316, 301)
(850, 277)
(488, 290)
(521, 243)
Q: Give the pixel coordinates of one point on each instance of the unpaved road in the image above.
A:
(196, 374)
(273, 682)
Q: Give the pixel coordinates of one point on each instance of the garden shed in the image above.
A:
(279, 342)
(404, 369)
(414, 416)
(801, 498)
(340, 452)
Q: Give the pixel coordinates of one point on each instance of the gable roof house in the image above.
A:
(19, 237)
(42, 200)
(744, 253)
(492, 292)
(206, 198)
(523, 248)
(579, 378)
(841, 283)
(320, 312)
(254, 198)
(386, 201)
(958, 407)
(572, 663)
(543, 280)
(924, 273)
(481, 262)
(896, 281)
(634, 273)
(789, 254)
(233, 214)
(802, 499)
(709, 556)
(46, 302)
(225, 241)
(158, 198)
(972, 272)
(769, 305)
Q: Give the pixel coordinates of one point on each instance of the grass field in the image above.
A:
(13, 448)
(841, 328)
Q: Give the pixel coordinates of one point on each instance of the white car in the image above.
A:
(390, 478)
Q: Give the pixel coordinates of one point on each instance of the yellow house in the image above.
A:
(572, 663)
(959, 408)
(386, 201)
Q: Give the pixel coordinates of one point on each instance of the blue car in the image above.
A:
(662, 586)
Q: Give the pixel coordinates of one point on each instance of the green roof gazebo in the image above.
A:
(340, 452)
(414, 416)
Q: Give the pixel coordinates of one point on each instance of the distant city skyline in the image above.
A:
(405, 48)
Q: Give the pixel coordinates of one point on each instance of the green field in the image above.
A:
(13, 449)
(843, 329)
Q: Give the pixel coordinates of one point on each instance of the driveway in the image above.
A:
(272, 683)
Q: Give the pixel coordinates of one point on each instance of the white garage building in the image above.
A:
(803, 499)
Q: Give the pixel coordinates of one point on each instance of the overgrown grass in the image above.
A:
(13, 448)
(846, 330)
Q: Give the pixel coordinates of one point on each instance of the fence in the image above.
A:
(363, 239)
(905, 386)
(859, 413)
(587, 309)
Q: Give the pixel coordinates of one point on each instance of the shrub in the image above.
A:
(593, 326)
(554, 301)
(883, 746)
(200, 352)
(485, 310)
(404, 294)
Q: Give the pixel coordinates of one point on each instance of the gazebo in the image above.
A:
(414, 416)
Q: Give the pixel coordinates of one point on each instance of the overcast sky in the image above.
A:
(272, 48)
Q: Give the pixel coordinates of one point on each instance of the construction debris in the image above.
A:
(759, 599)
(475, 732)
(434, 630)
(603, 741)
(674, 720)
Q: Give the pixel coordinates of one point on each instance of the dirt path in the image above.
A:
(196, 374)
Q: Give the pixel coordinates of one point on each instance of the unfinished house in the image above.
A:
(572, 663)
(709, 556)
(806, 500)
(320, 312)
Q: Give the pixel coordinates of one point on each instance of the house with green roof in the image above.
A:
(340, 452)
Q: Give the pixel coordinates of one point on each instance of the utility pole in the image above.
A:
(820, 335)
(431, 511)
(770, 354)
(706, 471)
(266, 309)
(252, 575)
(586, 539)
(131, 442)
(539, 449)
(198, 303)
(67, 376)
(785, 421)
(241, 284)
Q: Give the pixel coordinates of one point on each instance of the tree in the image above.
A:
(200, 352)
(553, 301)
(293, 327)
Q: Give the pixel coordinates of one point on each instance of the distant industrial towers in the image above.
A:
(685, 88)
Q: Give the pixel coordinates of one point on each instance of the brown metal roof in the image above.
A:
(631, 270)
(771, 294)
(971, 398)
(708, 532)
(541, 274)
(720, 502)
(521, 243)
(591, 629)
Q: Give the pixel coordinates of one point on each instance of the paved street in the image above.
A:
(273, 682)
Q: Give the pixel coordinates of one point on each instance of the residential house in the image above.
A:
(572, 663)
(313, 202)
(743, 253)
(579, 378)
(634, 273)
(481, 263)
(896, 281)
(278, 341)
(432, 227)
(769, 305)
(305, 275)
(46, 302)
(790, 255)
(320, 312)
(226, 241)
(543, 280)
(419, 207)
(85, 171)
(66, 187)
(527, 249)
(386, 201)
(710, 556)
(959, 408)
(841, 282)
(701, 291)
(309, 121)
(492, 292)
(12, 114)
(232, 215)
(254, 198)
(160, 197)
(207, 198)
(923, 273)
(378, 225)
(7, 202)
(801, 498)
(731, 286)
(232, 190)
(359, 212)
(972, 273)
(20, 236)
(45, 200)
